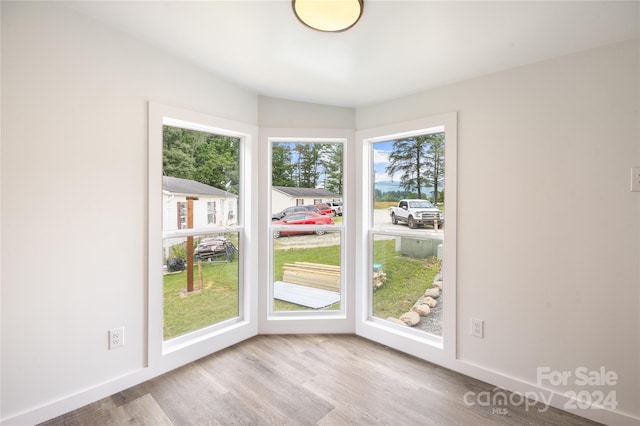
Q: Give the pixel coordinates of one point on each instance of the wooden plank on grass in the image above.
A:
(318, 275)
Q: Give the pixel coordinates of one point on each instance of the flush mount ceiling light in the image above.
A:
(328, 15)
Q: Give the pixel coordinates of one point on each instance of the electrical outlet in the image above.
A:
(635, 179)
(477, 328)
(116, 337)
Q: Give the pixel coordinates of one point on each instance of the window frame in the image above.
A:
(433, 348)
(338, 321)
(188, 347)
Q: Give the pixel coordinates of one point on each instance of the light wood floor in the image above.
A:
(308, 380)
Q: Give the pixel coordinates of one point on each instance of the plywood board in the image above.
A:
(306, 296)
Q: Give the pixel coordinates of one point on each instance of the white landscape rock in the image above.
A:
(423, 309)
(430, 301)
(379, 278)
(410, 318)
(432, 292)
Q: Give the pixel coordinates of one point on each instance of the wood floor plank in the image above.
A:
(327, 380)
(259, 379)
(142, 411)
(96, 413)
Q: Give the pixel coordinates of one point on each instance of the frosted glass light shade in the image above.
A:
(328, 15)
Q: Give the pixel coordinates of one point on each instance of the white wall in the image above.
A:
(74, 115)
(548, 231)
(280, 201)
(273, 112)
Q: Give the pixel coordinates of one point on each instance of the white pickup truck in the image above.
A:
(416, 213)
(336, 207)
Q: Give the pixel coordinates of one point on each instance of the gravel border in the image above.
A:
(432, 323)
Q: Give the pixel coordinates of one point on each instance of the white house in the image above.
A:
(211, 206)
(284, 196)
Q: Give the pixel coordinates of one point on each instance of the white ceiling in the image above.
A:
(397, 47)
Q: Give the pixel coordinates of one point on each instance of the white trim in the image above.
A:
(218, 336)
(194, 232)
(422, 345)
(340, 321)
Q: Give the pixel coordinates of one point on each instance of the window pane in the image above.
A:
(204, 292)
(407, 278)
(204, 167)
(306, 182)
(308, 165)
(408, 200)
(306, 271)
(200, 188)
(410, 168)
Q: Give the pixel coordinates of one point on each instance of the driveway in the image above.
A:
(381, 219)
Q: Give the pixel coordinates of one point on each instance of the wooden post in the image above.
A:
(200, 275)
(189, 245)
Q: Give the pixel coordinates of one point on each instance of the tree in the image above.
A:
(307, 165)
(177, 153)
(435, 165)
(331, 160)
(281, 167)
(307, 170)
(407, 159)
(420, 162)
(204, 157)
(217, 160)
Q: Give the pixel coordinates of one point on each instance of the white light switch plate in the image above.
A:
(635, 179)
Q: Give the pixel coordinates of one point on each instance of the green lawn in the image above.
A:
(216, 301)
(407, 278)
(329, 255)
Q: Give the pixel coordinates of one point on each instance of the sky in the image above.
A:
(381, 152)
